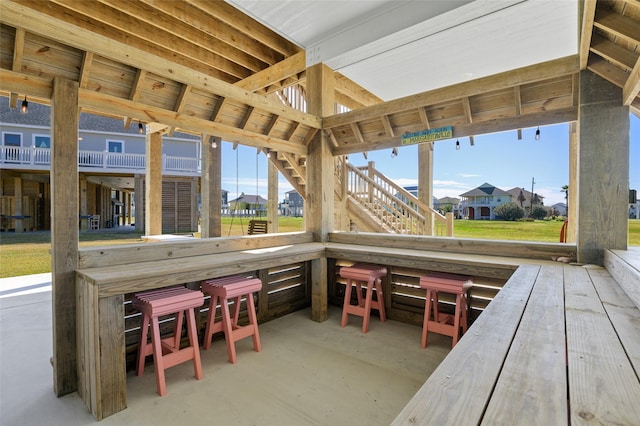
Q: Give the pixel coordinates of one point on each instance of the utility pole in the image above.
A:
(533, 180)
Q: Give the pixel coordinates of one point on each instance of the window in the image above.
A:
(115, 146)
(12, 139)
(41, 141)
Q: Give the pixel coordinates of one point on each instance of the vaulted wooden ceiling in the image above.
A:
(204, 67)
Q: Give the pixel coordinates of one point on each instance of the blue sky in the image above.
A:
(499, 159)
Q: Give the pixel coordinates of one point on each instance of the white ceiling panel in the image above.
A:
(399, 48)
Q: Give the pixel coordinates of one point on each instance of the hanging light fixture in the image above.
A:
(25, 105)
(457, 145)
(394, 152)
(538, 134)
(268, 153)
(214, 144)
(140, 128)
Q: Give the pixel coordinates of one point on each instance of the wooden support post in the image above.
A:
(572, 198)
(64, 232)
(84, 211)
(425, 181)
(211, 209)
(603, 169)
(153, 185)
(138, 190)
(319, 201)
(17, 207)
(272, 202)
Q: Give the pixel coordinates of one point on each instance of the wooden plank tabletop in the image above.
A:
(603, 387)
(523, 395)
(571, 357)
(130, 278)
(457, 392)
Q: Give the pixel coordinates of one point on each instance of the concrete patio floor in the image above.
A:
(308, 373)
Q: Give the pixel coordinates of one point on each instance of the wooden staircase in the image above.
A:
(372, 202)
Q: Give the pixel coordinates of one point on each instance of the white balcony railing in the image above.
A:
(29, 156)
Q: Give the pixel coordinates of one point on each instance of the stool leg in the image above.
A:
(143, 347)
(211, 317)
(193, 341)
(456, 320)
(367, 306)
(228, 331)
(253, 320)
(177, 331)
(465, 313)
(380, 299)
(436, 311)
(425, 322)
(347, 302)
(236, 312)
(359, 293)
(157, 356)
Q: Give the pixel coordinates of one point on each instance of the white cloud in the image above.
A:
(469, 175)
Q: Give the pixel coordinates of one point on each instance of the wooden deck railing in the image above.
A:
(397, 210)
(18, 156)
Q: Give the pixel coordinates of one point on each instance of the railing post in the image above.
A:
(449, 216)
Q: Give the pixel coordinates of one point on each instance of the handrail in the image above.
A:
(34, 156)
(394, 208)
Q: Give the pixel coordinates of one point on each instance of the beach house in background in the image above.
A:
(480, 202)
(292, 205)
(111, 163)
(248, 205)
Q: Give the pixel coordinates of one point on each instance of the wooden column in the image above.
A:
(319, 200)
(138, 185)
(153, 185)
(211, 197)
(64, 232)
(603, 169)
(572, 199)
(84, 210)
(272, 205)
(425, 181)
(17, 206)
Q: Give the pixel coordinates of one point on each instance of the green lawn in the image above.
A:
(28, 253)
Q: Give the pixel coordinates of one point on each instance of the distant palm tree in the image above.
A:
(565, 189)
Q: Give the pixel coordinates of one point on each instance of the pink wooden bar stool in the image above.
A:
(166, 352)
(356, 275)
(446, 324)
(222, 290)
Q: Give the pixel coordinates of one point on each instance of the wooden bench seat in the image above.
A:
(554, 333)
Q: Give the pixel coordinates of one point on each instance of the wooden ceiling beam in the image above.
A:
(247, 25)
(618, 25)
(213, 27)
(466, 105)
(492, 126)
(140, 33)
(353, 90)
(85, 70)
(18, 15)
(608, 71)
(388, 129)
(424, 118)
(631, 88)
(542, 71)
(275, 73)
(16, 63)
(97, 102)
(620, 56)
(588, 15)
(518, 106)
